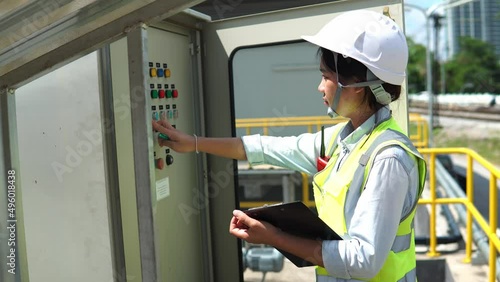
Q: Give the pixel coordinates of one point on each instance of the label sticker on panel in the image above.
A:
(162, 188)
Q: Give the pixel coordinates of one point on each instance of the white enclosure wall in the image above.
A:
(64, 196)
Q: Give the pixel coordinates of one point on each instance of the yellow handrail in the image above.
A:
(419, 138)
(472, 212)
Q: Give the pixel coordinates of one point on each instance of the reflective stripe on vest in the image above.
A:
(341, 196)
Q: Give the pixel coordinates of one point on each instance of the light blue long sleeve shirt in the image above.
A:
(390, 193)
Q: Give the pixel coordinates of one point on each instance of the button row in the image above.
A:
(154, 72)
(164, 115)
(155, 94)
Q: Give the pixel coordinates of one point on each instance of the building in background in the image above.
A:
(478, 19)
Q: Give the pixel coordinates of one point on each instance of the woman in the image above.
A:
(370, 186)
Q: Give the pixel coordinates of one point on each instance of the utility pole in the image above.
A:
(428, 14)
(436, 17)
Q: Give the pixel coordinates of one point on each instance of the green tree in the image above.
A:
(474, 69)
(416, 69)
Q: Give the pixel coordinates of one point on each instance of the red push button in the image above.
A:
(175, 93)
(160, 164)
(161, 93)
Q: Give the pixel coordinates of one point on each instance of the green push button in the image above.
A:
(154, 94)
(169, 93)
(163, 136)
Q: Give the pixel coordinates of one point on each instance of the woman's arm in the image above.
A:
(231, 148)
(294, 152)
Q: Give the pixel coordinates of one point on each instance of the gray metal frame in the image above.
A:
(10, 161)
(31, 44)
(201, 161)
(142, 146)
(111, 166)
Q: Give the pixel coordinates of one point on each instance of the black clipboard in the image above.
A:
(297, 219)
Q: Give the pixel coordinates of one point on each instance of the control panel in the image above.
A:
(170, 94)
(164, 96)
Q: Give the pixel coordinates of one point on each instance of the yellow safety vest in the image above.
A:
(330, 191)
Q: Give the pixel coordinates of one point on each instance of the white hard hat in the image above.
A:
(370, 38)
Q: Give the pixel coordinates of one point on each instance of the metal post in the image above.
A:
(428, 63)
(13, 259)
(201, 161)
(428, 66)
(142, 146)
(437, 26)
(427, 14)
(111, 165)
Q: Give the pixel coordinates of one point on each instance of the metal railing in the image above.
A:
(419, 136)
(312, 123)
(468, 202)
(418, 131)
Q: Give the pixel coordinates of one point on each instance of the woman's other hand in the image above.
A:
(252, 230)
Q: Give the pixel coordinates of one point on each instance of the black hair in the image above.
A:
(352, 71)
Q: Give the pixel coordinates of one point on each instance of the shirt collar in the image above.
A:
(348, 137)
